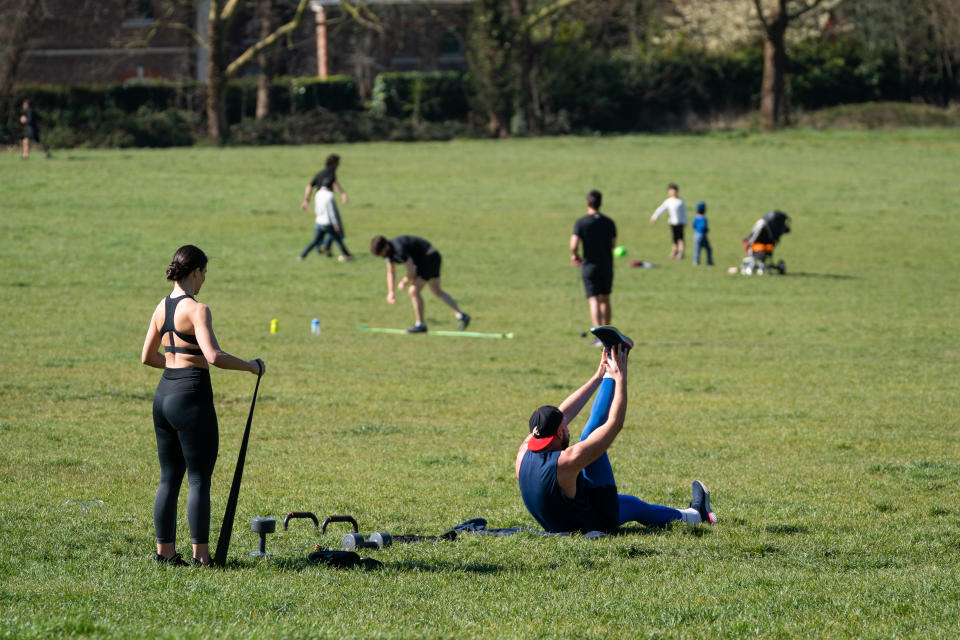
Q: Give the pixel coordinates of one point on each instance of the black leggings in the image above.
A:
(187, 440)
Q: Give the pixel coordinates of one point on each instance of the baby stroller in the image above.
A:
(760, 243)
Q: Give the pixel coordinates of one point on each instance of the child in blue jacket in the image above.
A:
(700, 230)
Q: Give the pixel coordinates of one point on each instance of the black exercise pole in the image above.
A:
(223, 542)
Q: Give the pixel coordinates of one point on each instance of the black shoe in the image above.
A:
(701, 502)
(417, 328)
(194, 562)
(176, 560)
(464, 322)
(610, 337)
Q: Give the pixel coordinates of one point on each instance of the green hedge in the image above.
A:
(290, 95)
(581, 89)
(421, 95)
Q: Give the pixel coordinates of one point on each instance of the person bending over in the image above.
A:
(184, 418)
(422, 262)
(571, 487)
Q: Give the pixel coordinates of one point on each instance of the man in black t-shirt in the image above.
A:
(422, 262)
(598, 233)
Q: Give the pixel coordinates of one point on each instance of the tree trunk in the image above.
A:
(216, 76)
(773, 87)
(24, 23)
(264, 76)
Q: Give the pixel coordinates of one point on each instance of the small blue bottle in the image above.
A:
(315, 327)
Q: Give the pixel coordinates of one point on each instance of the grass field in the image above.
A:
(820, 408)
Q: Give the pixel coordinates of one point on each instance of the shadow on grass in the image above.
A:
(476, 568)
(300, 564)
(786, 529)
(824, 276)
(639, 530)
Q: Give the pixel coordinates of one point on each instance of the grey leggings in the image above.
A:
(187, 441)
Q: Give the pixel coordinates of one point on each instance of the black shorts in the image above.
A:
(429, 267)
(677, 230)
(597, 281)
(605, 509)
(32, 133)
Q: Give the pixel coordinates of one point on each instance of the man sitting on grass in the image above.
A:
(571, 488)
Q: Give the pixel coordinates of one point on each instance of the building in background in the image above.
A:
(106, 41)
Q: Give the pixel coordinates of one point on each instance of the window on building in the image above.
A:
(451, 49)
(450, 45)
(137, 13)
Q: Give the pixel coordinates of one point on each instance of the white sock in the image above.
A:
(689, 516)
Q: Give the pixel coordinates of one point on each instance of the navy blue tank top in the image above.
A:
(546, 501)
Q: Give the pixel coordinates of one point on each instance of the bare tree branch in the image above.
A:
(545, 12)
(807, 7)
(760, 14)
(229, 10)
(371, 22)
(189, 30)
(267, 42)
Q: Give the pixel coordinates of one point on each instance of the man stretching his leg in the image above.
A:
(571, 487)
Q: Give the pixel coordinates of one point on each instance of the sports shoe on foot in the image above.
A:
(175, 560)
(344, 258)
(417, 328)
(701, 502)
(325, 252)
(196, 562)
(610, 337)
(596, 343)
(464, 322)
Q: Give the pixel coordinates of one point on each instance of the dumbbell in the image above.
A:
(330, 519)
(300, 514)
(378, 540)
(263, 526)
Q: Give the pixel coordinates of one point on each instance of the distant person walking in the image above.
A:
(677, 218)
(700, 231)
(598, 235)
(328, 227)
(184, 418)
(31, 131)
(422, 262)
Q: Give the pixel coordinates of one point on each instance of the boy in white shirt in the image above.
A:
(677, 218)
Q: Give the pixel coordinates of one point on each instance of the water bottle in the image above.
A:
(273, 326)
(315, 327)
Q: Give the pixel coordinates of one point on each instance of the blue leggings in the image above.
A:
(600, 474)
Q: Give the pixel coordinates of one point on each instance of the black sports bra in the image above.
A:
(170, 308)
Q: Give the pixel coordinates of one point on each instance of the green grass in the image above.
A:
(820, 408)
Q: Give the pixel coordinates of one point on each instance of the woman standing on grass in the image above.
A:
(183, 413)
